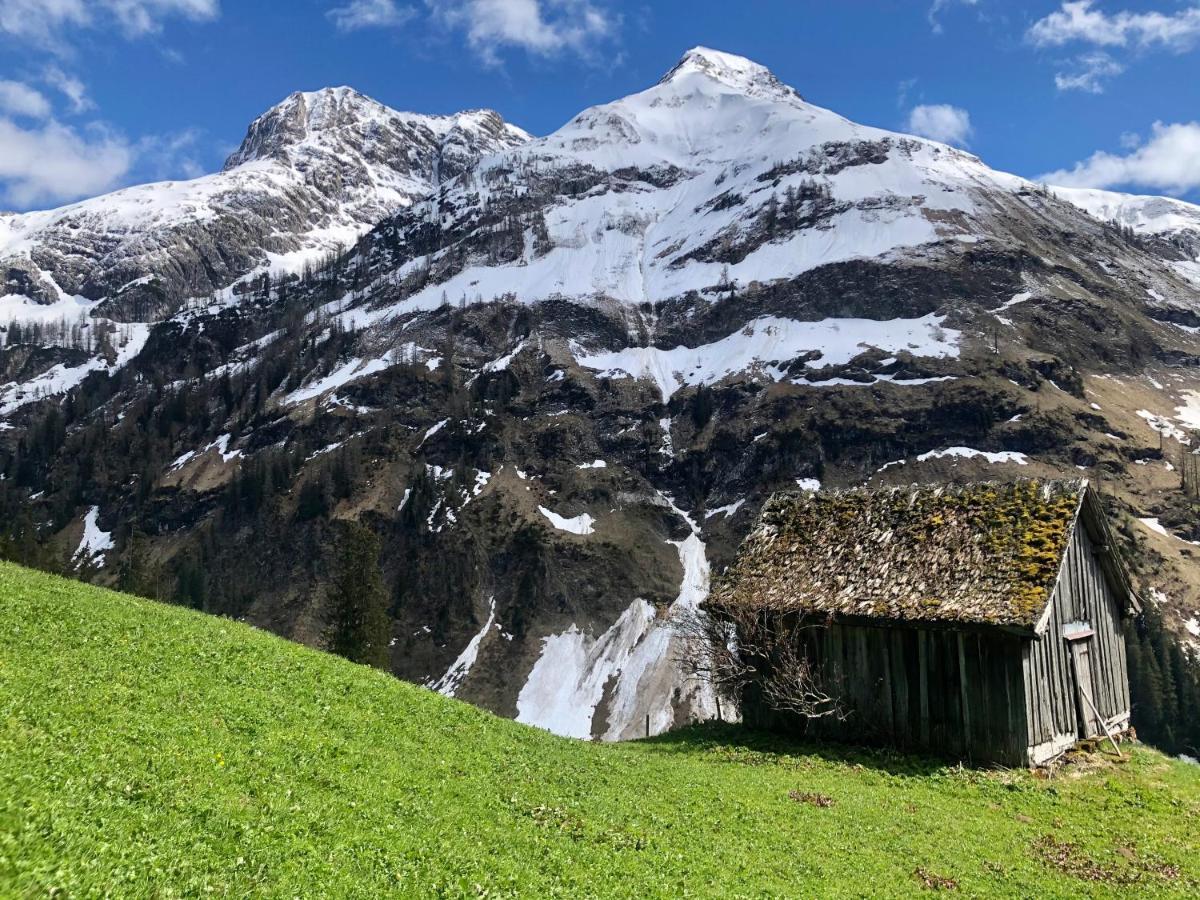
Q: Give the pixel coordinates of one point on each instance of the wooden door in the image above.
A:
(1085, 700)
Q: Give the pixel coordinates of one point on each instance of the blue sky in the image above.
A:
(95, 94)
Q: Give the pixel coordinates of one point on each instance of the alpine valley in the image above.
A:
(558, 376)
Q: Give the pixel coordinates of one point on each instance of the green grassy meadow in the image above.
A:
(149, 751)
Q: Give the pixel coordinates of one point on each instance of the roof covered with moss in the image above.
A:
(986, 553)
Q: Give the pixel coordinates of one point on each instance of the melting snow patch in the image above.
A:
(433, 430)
(221, 445)
(651, 677)
(1155, 526)
(1163, 426)
(327, 449)
(181, 461)
(1004, 456)
(598, 464)
(766, 344)
(336, 401)
(567, 682)
(874, 379)
(808, 484)
(668, 445)
(499, 365)
(728, 510)
(349, 371)
(60, 379)
(636, 656)
(1017, 298)
(1189, 413)
(481, 481)
(461, 667)
(1193, 626)
(580, 524)
(95, 543)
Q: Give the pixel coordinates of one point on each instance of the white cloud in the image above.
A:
(941, 122)
(41, 20)
(540, 27)
(1091, 72)
(139, 17)
(1079, 21)
(53, 162)
(168, 156)
(70, 87)
(938, 6)
(1169, 161)
(19, 99)
(370, 14)
(44, 22)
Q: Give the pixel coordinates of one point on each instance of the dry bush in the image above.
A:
(731, 649)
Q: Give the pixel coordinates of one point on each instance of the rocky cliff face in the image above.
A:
(561, 384)
(312, 174)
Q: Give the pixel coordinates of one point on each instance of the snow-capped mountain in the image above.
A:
(1173, 225)
(560, 384)
(311, 176)
(1160, 216)
(717, 176)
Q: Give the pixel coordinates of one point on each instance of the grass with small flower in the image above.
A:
(150, 751)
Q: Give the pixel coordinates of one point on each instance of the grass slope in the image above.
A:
(150, 751)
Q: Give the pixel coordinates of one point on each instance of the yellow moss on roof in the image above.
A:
(985, 553)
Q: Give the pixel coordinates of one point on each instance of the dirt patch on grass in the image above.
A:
(822, 801)
(932, 881)
(1069, 859)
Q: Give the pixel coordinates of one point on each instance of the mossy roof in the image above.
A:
(986, 554)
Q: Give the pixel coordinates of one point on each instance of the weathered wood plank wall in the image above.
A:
(958, 694)
(1082, 596)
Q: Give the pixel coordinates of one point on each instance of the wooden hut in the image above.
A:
(981, 621)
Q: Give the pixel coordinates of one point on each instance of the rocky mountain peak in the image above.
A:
(340, 120)
(291, 121)
(327, 166)
(738, 72)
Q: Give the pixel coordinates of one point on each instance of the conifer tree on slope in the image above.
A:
(358, 620)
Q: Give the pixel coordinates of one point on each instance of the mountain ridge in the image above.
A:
(285, 197)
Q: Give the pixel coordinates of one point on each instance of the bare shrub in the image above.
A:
(732, 649)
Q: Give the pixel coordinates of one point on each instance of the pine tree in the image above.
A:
(1147, 691)
(358, 622)
(1164, 684)
(702, 406)
(133, 572)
